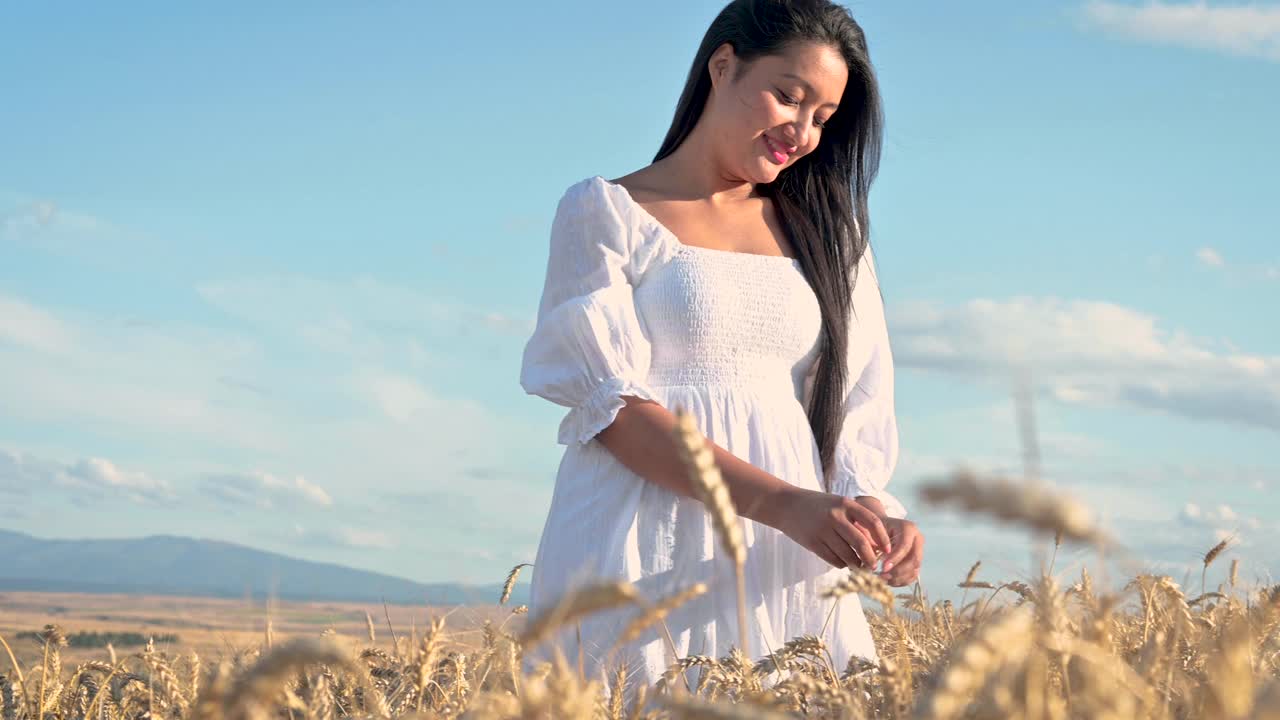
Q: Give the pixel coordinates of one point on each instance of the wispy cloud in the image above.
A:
(1209, 256)
(264, 490)
(104, 478)
(346, 537)
(378, 404)
(1220, 516)
(30, 327)
(47, 225)
(30, 219)
(357, 316)
(95, 370)
(91, 478)
(1244, 30)
(1212, 258)
(1091, 353)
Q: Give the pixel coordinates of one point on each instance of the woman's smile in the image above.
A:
(779, 155)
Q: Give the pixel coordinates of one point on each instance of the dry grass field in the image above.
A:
(1055, 647)
(209, 626)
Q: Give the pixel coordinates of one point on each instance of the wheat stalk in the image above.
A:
(576, 604)
(658, 612)
(695, 709)
(862, 582)
(257, 684)
(1003, 640)
(1210, 556)
(707, 482)
(1031, 505)
(510, 583)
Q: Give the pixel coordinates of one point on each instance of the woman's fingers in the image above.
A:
(862, 514)
(877, 551)
(859, 540)
(905, 542)
(906, 571)
(841, 549)
(903, 574)
(821, 550)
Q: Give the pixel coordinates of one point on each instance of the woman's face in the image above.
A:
(773, 116)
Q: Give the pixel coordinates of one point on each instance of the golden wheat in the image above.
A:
(1028, 648)
(706, 480)
(583, 601)
(1032, 505)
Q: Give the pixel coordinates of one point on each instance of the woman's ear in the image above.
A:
(720, 64)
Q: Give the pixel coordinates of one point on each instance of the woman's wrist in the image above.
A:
(873, 504)
(772, 504)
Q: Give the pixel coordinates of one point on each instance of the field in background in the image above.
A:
(212, 627)
(1054, 646)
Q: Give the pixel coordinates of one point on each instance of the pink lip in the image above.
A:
(777, 149)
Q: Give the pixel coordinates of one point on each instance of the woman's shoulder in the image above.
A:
(592, 204)
(595, 198)
(591, 191)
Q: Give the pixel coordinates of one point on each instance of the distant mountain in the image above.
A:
(172, 565)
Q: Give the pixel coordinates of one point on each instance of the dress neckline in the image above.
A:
(648, 217)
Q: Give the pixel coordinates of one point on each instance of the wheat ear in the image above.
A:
(1032, 505)
(713, 493)
(510, 583)
(583, 601)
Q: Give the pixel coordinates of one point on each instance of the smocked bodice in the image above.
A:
(716, 317)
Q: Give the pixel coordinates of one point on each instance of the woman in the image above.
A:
(730, 279)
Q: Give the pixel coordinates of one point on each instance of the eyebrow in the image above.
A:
(807, 87)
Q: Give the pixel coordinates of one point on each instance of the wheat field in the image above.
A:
(1057, 647)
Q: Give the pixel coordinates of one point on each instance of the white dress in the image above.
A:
(732, 337)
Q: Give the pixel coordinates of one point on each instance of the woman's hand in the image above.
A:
(902, 564)
(837, 529)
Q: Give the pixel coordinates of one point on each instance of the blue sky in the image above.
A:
(266, 272)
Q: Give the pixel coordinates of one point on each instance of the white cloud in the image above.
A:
(346, 537)
(355, 316)
(1209, 256)
(29, 216)
(204, 393)
(1244, 30)
(103, 476)
(1090, 353)
(397, 396)
(46, 225)
(35, 219)
(28, 326)
(264, 490)
(111, 373)
(19, 473)
(1222, 519)
(93, 478)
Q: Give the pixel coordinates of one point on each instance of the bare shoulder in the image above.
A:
(645, 185)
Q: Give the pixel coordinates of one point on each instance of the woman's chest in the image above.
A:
(708, 305)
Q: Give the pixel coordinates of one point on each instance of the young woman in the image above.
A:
(731, 278)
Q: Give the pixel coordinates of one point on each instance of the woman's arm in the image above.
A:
(642, 437)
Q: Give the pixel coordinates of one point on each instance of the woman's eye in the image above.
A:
(787, 99)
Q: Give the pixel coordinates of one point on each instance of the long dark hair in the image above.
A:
(821, 200)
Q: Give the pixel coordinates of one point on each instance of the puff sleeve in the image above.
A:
(588, 347)
(867, 451)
